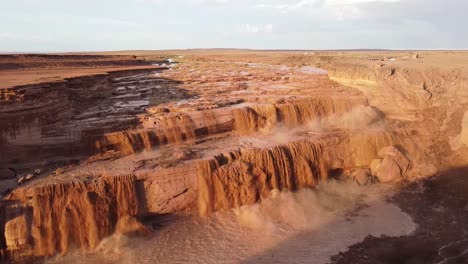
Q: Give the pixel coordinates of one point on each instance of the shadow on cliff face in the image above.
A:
(60, 121)
(438, 205)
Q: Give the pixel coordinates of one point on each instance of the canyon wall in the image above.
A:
(423, 102)
(399, 92)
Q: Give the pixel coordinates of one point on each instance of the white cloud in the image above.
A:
(249, 28)
(269, 28)
(354, 2)
(21, 37)
(350, 9)
(286, 7)
(75, 19)
(346, 12)
(189, 2)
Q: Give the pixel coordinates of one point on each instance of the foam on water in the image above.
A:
(286, 228)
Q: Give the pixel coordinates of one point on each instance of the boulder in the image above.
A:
(397, 156)
(25, 178)
(29, 177)
(362, 176)
(388, 171)
(21, 180)
(392, 165)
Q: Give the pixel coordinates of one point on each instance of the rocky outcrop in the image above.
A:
(394, 153)
(168, 190)
(388, 171)
(392, 166)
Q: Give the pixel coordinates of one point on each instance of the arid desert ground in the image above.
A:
(234, 156)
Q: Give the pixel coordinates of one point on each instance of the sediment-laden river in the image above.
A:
(308, 226)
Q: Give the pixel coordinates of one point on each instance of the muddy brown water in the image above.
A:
(310, 225)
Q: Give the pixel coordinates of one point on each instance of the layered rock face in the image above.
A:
(427, 100)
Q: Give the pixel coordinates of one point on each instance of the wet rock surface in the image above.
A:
(55, 122)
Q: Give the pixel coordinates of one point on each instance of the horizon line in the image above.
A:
(226, 49)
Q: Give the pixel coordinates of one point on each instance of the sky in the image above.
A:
(97, 25)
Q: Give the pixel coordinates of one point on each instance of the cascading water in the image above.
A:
(307, 226)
